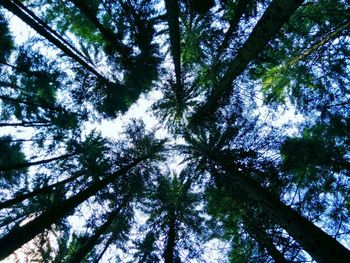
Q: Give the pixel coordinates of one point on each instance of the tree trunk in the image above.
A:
(25, 102)
(171, 239)
(53, 32)
(93, 240)
(107, 34)
(43, 190)
(25, 124)
(266, 242)
(172, 9)
(275, 16)
(108, 243)
(240, 9)
(21, 235)
(312, 239)
(30, 20)
(28, 140)
(18, 166)
(318, 44)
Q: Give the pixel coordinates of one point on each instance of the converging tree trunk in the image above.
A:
(53, 32)
(170, 240)
(266, 242)
(30, 103)
(94, 239)
(275, 16)
(25, 124)
(36, 192)
(107, 34)
(30, 19)
(21, 235)
(108, 243)
(312, 239)
(172, 8)
(239, 10)
(18, 166)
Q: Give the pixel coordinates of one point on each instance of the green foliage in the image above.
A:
(171, 203)
(11, 155)
(78, 24)
(323, 145)
(303, 59)
(6, 42)
(89, 62)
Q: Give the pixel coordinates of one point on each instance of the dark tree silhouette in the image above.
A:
(216, 166)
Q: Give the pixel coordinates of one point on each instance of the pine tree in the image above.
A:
(226, 71)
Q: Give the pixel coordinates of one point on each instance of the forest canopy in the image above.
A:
(248, 156)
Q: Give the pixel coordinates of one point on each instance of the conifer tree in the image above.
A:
(226, 72)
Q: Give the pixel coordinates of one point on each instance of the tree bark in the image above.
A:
(30, 20)
(25, 124)
(21, 235)
(93, 240)
(275, 16)
(25, 102)
(108, 243)
(240, 9)
(105, 32)
(312, 239)
(53, 32)
(18, 166)
(43, 190)
(172, 9)
(265, 241)
(318, 44)
(171, 240)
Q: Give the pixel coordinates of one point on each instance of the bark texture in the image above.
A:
(18, 166)
(43, 190)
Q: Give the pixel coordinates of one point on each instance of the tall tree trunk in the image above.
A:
(43, 190)
(26, 102)
(172, 9)
(171, 240)
(21, 235)
(266, 242)
(93, 240)
(28, 140)
(319, 43)
(312, 239)
(275, 16)
(25, 124)
(30, 20)
(13, 220)
(240, 9)
(108, 243)
(107, 34)
(53, 32)
(18, 166)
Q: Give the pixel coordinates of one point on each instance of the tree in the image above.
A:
(273, 19)
(241, 177)
(226, 72)
(171, 206)
(14, 155)
(20, 235)
(6, 39)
